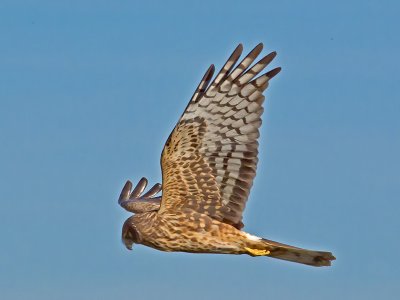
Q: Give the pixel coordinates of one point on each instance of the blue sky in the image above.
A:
(89, 92)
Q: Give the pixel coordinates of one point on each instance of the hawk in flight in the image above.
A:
(208, 166)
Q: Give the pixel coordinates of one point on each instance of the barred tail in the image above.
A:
(298, 255)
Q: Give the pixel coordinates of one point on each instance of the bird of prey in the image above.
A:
(208, 166)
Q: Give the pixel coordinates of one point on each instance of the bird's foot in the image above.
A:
(257, 252)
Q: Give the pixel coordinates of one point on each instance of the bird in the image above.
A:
(208, 166)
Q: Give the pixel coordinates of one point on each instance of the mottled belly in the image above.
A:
(194, 232)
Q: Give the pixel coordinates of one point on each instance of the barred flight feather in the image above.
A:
(210, 159)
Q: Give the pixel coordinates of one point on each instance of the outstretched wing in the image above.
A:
(134, 201)
(209, 160)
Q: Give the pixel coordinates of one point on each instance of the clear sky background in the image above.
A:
(89, 92)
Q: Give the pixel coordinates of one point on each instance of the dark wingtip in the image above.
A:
(153, 191)
(125, 191)
(273, 72)
(272, 55)
(237, 52)
(268, 58)
(256, 50)
(138, 190)
(210, 72)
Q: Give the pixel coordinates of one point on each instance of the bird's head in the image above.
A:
(130, 234)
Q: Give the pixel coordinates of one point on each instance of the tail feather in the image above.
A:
(299, 255)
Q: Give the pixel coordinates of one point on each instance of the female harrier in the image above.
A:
(208, 166)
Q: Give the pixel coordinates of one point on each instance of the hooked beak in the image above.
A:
(128, 244)
(129, 235)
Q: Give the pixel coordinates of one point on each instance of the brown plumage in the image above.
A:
(208, 165)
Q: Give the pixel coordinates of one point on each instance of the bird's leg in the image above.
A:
(257, 252)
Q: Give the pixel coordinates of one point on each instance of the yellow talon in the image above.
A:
(257, 252)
